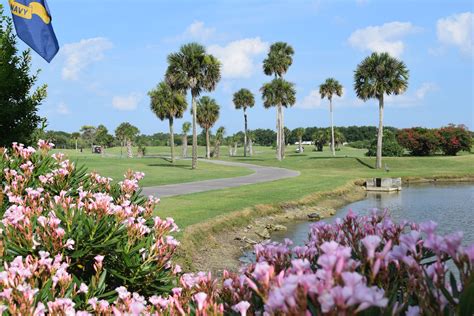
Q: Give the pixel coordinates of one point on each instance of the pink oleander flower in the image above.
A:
(200, 299)
(241, 307)
(371, 243)
(83, 288)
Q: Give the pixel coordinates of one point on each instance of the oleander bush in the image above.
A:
(76, 243)
(455, 138)
(419, 141)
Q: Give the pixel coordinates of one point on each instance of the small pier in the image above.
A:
(383, 184)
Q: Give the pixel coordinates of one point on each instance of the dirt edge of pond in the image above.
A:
(217, 244)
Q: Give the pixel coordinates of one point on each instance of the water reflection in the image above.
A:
(450, 205)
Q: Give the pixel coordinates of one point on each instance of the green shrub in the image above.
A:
(390, 147)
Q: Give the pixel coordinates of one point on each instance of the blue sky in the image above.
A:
(113, 52)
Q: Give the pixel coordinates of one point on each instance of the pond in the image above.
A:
(450, 205)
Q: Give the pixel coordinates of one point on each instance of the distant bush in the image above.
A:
(360, 144)
(419, 141)
(390, 146)
(454, 139)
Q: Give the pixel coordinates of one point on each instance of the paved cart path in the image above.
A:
(261, 174)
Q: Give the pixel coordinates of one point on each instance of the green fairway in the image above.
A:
(319, 172)
(157, 168)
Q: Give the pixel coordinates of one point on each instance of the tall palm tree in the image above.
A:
(219, 139)
(279, 59)
(279, 93)
(207, 113)
(193, 69)
(186, 128)
(299, 132)
(377, 75)
(244, 99)
(169, 104)
(329, 88)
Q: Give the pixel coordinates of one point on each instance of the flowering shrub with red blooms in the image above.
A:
(61, 255)
(454, 139)
(419, 141)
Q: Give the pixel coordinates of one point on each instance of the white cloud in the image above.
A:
(237, 57)
(62, 109)
(81, 54)
(384, 38)
(414, 99)
(313, 101)
(126, 103)
(457, 30)
(197, 30)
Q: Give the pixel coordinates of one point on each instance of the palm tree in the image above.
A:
(299, 132)
(377, 75)
(186, 128)
(207, 113)
(279, 93)
(329, 88)
(320, 138)
(126, 132)
(244, 99)
(76, 136)
(279, 59)
(193, 69)
(169, 104)
(219, 138)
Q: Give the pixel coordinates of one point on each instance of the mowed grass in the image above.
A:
(320, 172)
(157, 167)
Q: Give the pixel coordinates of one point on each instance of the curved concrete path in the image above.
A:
(261, 174)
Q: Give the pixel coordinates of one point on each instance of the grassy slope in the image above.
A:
(319, 172)
(158, 170)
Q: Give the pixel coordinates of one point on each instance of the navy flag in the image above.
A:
(33, 25)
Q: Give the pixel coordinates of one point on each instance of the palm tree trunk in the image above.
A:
(245, 134)
(278, 144)
(235, 149)
(171, 139)
(250, 147)
(194, 161)
(380, 135)
(76, 144)
(121, 148)
(301, 145)
(185, 146)
(282, 134)
(129, 148)
(332, 129)
(208, 147)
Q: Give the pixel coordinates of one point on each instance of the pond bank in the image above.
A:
(218, 244)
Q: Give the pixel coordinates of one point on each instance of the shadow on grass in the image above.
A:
(337, 157)
(166, 162)
(364, 163)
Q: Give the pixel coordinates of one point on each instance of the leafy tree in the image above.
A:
(103, 138)
(168, 103)
(88, 133)
(207, 113)
(126, 133)
(264, 137)
(299, 132)
(454, 139)
(186, 128)
(244, 99)
(390, 148)
(193, 69)
(329, 88)
(419, 141)
(279, 92)
(377, 75)
(320, 139)
(19, 99)
(219, 139)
